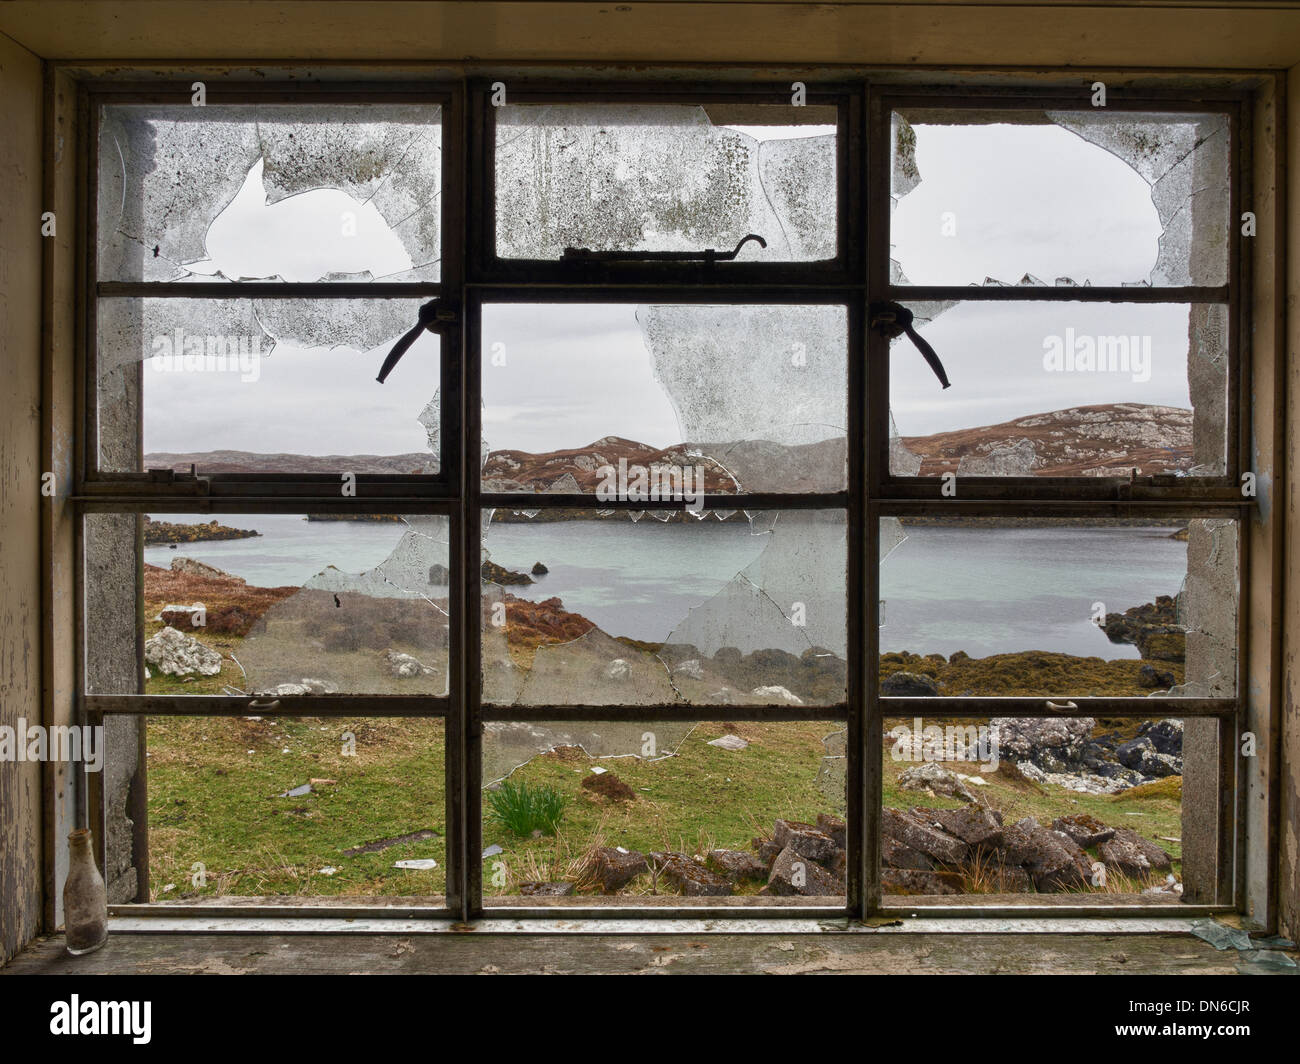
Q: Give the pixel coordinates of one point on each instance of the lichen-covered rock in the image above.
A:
(1086, 830)
(794, 874)
(974, 825)
(545, 890)
(903, 684)
(804, 839)
(1132, 855)
(692, 879)
(836, 828)
(916, 834)
(615, 868)
(932, 777)
(174, 653)
(403, 666)
(910, 881)
(737, 864)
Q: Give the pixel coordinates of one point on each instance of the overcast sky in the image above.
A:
(994, 201)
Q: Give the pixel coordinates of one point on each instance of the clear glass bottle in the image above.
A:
(85, 900)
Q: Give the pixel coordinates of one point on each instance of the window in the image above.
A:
(662, 568)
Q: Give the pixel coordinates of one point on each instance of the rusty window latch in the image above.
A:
(894, 319)
(436, 316)
(707, 255)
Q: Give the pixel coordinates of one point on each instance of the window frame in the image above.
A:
(472, 277)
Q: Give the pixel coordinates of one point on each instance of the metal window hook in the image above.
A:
(894, 319)
(436, 316)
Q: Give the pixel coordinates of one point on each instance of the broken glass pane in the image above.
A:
(265, 385)
(1059, 198)
(269, 604)
(665, 177)
(1101, 389)
(269, 191)
(659, 401)
(660, 813)
(1060, 607)
(581, 610)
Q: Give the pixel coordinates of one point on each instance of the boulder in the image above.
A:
(895, 854)
(767, 850)
(693, 880)
(539, 569)
(1141, 755)
(776, 694)
(909, 685)
(1132, 855)
(1086, 830)
(974, 825)
(403, 666)
(1051, 858)
(1150, 676)
(909, 881)
(1165, 735)
(804, 839)
(1053, 744)
(174, 653)
(932, 777)
(545, 890)
(616, 868)
(794, 874)
(916, 834)
(737, 864)
(836, 828)
(194, 567)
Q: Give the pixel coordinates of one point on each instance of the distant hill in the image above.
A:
(1105, 440)
(1109, 439)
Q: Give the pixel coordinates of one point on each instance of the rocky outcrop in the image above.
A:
(1153, 628)
(174, 653)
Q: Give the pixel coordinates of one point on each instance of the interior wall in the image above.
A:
(21, 844)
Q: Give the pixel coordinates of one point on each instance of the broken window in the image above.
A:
(666, 178)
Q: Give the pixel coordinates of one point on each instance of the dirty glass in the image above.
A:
(622, 610)
(268, 604)
(1101, 389)
(1059, 198)
(626, 401)
(1059, 810)
(1058, 608)
(327, 811)
(264, 386)
(666, 177)
(665, 813)
(290, 192)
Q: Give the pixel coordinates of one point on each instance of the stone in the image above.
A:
(1166, 736)
(895, 854)
(910, 881)
(777, 694)
(539, 569)
(729, 742)
(194, 567)
(909, 685)
(767, 850)
(1054, 744)
(1004, 879)
(1086, 830)
(403, 666)
(1132, 855)
(692, 879)
(974, 825)
(439, 574)
(417, 864)
(174, 653)
(804, 839)
(618, 669)
(1141, 755)
(691, 669)
(737, 864)
(836, 828)
(794, 874)
(935, 779)
(1149, 676)
(914, 833)
(545, 890)
(614, 868)
(1051, 858)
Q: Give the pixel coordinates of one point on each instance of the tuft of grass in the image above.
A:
(523, 808)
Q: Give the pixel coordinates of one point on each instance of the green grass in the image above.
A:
(523, 808)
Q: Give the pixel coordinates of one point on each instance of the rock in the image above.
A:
(1053, 744)
(197, 568)
(545, 890)
(1166, 736)
(493, 850)
(803, 839)
(1132, 855)
(911, 881)
(1141, 755)
(1008, 880)
(1051, 858)
(776, 693)
(736, 864)
(693, 880)
(692, 669)
(498, 574)
(836, 828)
(974, 825)
(615, 868)
(909, 685)
(539, 569)
(936, 779)
(895, 854)
(439, 574)
(767, 850)
(618, 669)
(916, 834)
(403, 666)
(1086, 830)
(794, 874)
(1149, 676)
(417, 864)
(174, 653)
(729, 742)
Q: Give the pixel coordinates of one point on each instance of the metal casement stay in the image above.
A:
(473, 276)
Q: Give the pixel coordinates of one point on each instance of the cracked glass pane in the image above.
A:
(1059, 198)
(584, 610)
(264, 385)
(269, 604)
(665, 813)
(1060, 607)
(666, 177)
(1045, 807)
(269, 191)
(659, 401)
(1101, 389)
